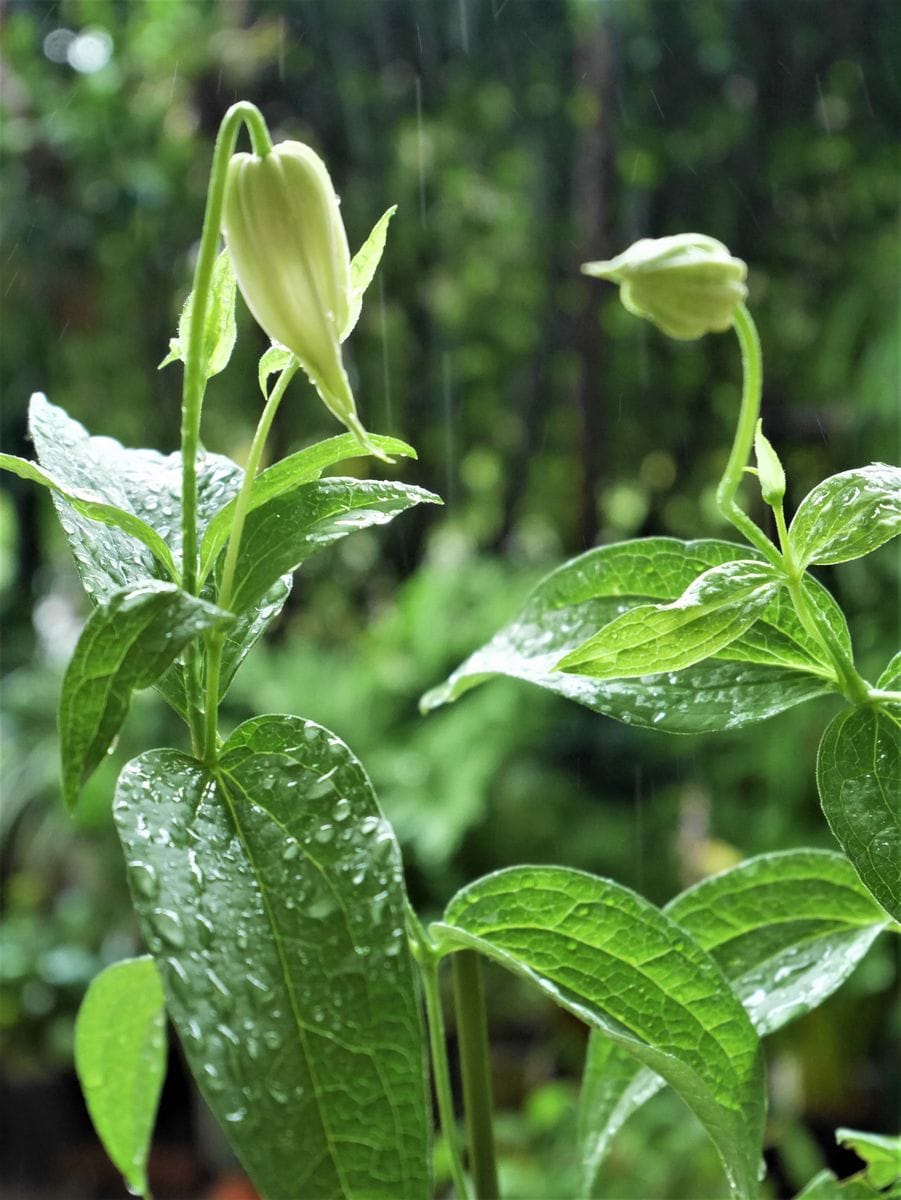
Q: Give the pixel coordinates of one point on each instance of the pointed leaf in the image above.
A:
(364, 265)
(827, 1186)
(714, 610)
(283, 532)
(859, 778)
(120, 1056)
(848, 515)
(273, 361)
(271, 895)
(619, 964)
(787, 929)
(773, 666)
(890, 679)
(284, 476)
(129, 640)
(881, 1154)
(220, 329)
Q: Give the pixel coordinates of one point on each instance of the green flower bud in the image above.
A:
(284, 232)
(688, 285)
(769, 468)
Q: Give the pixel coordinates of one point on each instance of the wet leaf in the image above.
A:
(859, 779)
(890, 679)
(881, 1154)
(220, 329)
(128, 642)
(614, 960)
(283, 532)
(848, 515)
(284, 476)
(713, 611)
(271, 895)
(786, 929)
(120, 1057)
(364, 266)
(773, 666)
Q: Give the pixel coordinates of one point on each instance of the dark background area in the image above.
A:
(519, 138)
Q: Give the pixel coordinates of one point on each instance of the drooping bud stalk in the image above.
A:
(284, 231)
(688, 285)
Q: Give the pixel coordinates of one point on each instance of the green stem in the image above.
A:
(472, 1039)
(855, 689)
(752, 384)
(226, 584)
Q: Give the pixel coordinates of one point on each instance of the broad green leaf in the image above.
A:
(88, 505)
(284, 476)
(882, 1154)
(714, 610)
(283, 532)
(890, 679)
(364, 265)
(129, 640)
(773, 666)
(274, 360)
(120, 1057)
(848, 515)
(827, 1186)
(786, 929)
(859, 779)
(629, 971)
(220, 330)
(271, 895)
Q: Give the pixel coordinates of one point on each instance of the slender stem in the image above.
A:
(428, 965)
(752, 384)
(226, 584)
(854, 688)
(472, 1039)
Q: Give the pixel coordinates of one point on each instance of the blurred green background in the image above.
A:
(519, 138)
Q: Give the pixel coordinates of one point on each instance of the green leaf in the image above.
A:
(120, 1057)
(614, 960)
(283, 532)
(96, 509)
(786, 929)
(273, 361)
(882, 1154)
(129, 640)
(220, 330)
(271, 895)
(769, 469)
(890, 679)
(364, 265)
(859, 779)
(847, 516)
(827, 1186)
(284, 476)
(714, 610)
(773, 666)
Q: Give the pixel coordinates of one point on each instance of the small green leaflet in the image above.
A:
(827, 1186)
(129, 641)
(364, 265)
(284, 476)
(859, 779)
(95, 509)
(120, 1057)
(890, 679)
(614, 960)
(847, 516)
(787, 929)
(284, 531)
(271, 895)
(881, 1154)
(220, 330)
(273, 361)
(714, 610)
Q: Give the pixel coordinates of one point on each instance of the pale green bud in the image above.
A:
(688, 285)
(769, 469)
(284, 231)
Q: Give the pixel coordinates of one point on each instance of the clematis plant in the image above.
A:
(268, 884)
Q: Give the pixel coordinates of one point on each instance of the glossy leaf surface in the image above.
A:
(120, 1057)
(272, 898)
(220, 329)
(627, 970)
(773, 666)
(714, 610)
(848, 515)
(786, 929)
(890, 679)
(859, 779)
(364, 266)
(283, 532)
(882, 1154)
(128, 642)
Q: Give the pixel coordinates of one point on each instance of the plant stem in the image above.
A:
(472, 1040)
(855, 689)
(752, 384)
(226, 584)
(428, 965)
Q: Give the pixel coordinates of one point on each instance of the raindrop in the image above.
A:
(167, 925)
(144, 880)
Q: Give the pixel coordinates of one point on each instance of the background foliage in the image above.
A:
(519, 138)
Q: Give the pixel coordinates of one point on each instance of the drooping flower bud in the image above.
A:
(283, 229)
(770, 471)
(688, 285)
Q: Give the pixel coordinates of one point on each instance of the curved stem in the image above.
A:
(472, 1039)
(752, 384)
(854, 688)
(226, 584)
